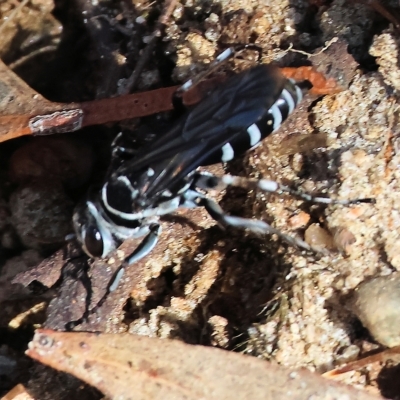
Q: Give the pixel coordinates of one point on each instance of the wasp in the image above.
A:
(164, 175)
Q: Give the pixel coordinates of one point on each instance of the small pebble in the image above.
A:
(41, 214)
(376, 303)
(299, 220)
(318, 237)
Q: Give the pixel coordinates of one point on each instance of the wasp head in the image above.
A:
(92, 231)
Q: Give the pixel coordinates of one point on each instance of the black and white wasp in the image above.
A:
(164, 175)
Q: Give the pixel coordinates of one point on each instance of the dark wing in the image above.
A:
(232, 107)
(229, 110)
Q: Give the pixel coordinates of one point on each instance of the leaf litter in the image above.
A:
(201, 285)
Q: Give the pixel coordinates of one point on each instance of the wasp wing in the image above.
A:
(232, 107)
(228, 111)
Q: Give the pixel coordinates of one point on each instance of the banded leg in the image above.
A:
(118, 150)
(208, 181)
(256, 226)
(145, 247)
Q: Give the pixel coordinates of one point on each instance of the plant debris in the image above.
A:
(201, 285)
(174, 370)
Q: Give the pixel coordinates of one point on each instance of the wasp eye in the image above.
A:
(94, 242)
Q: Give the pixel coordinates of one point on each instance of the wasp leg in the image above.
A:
(145, 247)
(254, 225)
(114, 143)
(119, 150)
(209, 181)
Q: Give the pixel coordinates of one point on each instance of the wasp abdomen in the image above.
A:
(270, 121)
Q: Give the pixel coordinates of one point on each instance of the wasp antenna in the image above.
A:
(232, 51)
(209, 181)
(240, 47)
(368, 200)
(220, 59)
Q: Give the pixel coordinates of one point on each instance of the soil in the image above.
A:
(203, 285)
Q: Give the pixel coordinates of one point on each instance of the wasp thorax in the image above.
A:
(129, 194)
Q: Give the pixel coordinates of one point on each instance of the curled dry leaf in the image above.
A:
(125, 366)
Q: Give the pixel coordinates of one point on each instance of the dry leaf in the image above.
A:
(17, 393)
(125, 366)
(46, 272)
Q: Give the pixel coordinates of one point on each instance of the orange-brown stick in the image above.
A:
(58, 117)
(321, 84)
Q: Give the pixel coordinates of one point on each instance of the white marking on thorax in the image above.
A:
(163, 208)
(128, 184)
